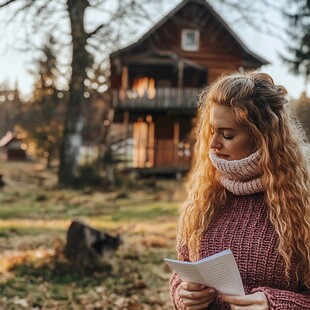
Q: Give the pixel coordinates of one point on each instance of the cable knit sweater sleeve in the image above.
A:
(175, 281)
(282, 299)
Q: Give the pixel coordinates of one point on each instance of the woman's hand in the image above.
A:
(196, 296)
(256, 301)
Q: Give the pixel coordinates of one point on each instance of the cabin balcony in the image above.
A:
(156, 99)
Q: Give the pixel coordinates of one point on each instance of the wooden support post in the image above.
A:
(151, 142)
(176, 139)
(180, 73)
(125, 134)
(124, 85)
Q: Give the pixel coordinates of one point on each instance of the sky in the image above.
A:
(15, 65)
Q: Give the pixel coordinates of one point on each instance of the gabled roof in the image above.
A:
(178, 8)
(7, 138)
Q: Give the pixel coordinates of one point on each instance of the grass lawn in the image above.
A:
(34, 218)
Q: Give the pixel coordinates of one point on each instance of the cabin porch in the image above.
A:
(160, 141)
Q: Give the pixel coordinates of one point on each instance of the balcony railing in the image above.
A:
(161, 98)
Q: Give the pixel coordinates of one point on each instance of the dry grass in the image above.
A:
(34, 218)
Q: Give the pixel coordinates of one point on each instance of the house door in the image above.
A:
(172, 148)
(167, 138)
(143, 144)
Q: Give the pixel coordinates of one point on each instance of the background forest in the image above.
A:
(74, 167)
(70, 105)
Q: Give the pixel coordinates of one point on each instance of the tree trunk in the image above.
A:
(72, 138)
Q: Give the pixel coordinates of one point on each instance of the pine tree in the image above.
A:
(44, 117)
(299, 33)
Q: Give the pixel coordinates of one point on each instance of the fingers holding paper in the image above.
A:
(256, 301)
(196, 296)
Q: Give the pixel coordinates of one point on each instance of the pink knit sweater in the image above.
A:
(243, 226)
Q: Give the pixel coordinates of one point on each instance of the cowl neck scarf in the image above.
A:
(240, 177)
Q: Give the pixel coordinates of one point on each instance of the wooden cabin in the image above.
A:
(156, 81)
(12, 147)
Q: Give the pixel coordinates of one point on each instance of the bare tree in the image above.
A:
(66, 19)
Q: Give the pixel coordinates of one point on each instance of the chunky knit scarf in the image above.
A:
(241, 177)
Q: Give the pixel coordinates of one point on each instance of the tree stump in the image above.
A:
(87, 247)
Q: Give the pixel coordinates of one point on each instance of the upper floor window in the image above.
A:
(190, 40)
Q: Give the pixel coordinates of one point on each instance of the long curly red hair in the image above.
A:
(262, 107)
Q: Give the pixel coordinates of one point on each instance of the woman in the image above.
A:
(249, 191)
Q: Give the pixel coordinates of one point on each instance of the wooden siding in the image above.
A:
(169, 154)
(165, 153)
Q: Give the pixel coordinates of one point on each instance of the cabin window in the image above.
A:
(190, 40)
(144, 87)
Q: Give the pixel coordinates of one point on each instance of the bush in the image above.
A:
(88, 175)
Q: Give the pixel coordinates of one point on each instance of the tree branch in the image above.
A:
(96, 30)
(2, 5)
